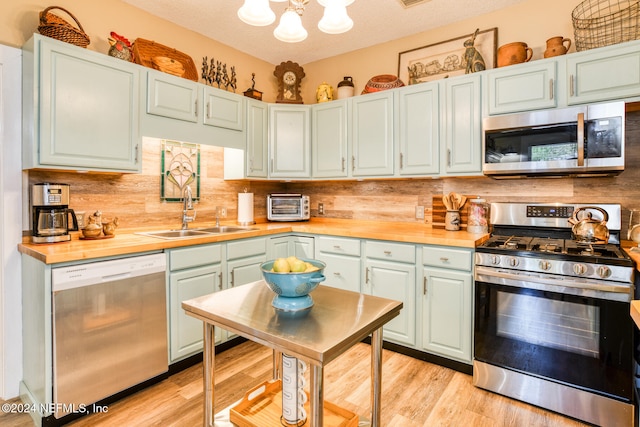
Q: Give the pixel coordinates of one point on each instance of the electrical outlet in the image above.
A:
(223, 212)
(320, 208)
(419, 212)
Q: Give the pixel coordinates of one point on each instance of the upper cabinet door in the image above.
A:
(81, 108)
(419, 123)
(257, 139)
(329, 139)
(372, 134)
(611, 72)
(223, 109)
(171, 96)
(289, 141)
(522, 88)
(463, 127)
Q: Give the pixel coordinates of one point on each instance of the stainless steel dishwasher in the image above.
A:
(109, 328)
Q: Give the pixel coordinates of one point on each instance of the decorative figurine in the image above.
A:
(472, 57)
(120, 47)
(252, 92)
(233, 81)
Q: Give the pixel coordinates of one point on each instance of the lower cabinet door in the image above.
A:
(186, 332)
(447, 319)
(396, 281)
(342, 272)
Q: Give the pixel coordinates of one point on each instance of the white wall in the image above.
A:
(10, 221)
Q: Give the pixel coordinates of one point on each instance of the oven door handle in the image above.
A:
(562, 285)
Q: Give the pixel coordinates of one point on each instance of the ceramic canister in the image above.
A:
(346, 88)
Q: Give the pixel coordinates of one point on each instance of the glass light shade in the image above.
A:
(335, 19)
(256, 12)
(326, 3)
(290, 29)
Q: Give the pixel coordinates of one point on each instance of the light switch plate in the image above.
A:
(419, 212)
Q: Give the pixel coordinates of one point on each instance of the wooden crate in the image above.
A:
(262, 406)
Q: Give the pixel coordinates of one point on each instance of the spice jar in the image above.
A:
(478, 216)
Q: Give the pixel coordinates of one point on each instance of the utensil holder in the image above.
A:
(452, 220)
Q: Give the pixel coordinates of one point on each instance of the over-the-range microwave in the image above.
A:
(574, 141)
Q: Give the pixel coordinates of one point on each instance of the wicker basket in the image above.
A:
(163, 58)
(598, 23)
(57, 28)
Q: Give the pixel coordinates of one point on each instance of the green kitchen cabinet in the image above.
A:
(343, 258)
(184, 110)
(525, 87)
(257, 151)
(447, 302)
(372, 134)
(606, 73)
(390, 272)
(418, 146)
(80, 109)
(330, 139)
(193, 272)
(289, 141)
(462, 126)
(290, 245)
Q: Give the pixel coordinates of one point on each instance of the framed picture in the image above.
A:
(447, 58)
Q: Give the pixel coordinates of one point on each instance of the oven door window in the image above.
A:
(580, 341)
(285, 207)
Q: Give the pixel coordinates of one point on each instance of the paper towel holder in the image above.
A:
(245, 209)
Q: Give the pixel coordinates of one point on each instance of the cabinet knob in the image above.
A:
(388, 253)
(444, 259)
(337, 274)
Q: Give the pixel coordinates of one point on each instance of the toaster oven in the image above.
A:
(288, 207)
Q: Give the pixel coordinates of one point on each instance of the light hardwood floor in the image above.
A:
(414, 393)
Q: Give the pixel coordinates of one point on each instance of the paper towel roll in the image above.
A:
(245, 208)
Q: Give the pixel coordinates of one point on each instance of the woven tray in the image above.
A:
(262, 406)
(163, 58)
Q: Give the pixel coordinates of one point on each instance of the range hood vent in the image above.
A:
(409, 3)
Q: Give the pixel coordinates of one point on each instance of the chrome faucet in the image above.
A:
(187, 206)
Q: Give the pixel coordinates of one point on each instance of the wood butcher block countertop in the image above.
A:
(127, 242)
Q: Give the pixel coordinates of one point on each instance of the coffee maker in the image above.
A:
(50, 213)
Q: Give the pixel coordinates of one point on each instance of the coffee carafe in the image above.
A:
(51, 213)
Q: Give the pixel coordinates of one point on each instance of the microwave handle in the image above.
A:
(580, 139)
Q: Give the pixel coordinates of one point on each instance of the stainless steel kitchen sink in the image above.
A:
(194, 232)
(225, 229)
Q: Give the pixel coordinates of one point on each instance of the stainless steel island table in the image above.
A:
(338, 320)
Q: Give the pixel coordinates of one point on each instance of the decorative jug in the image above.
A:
(346, 88)
(514, 53)
(556, 46)
(324, 93)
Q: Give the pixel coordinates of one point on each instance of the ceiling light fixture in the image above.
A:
(335, 19)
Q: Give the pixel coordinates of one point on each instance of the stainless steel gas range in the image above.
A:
(552, 323)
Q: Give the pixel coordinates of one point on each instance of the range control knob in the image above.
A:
(544, 265)
(579, 269)
(604, 272)
(513, 262)
(495, 259)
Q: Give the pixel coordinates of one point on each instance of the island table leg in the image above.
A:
(208, 356)
(376, 376)
(316, 387)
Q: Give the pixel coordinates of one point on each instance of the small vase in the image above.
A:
(514, 53)
(556, 46)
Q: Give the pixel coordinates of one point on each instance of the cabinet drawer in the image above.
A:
(438, 256)
(391, 251)
(246, 248)
(194, 256)
(336, 245)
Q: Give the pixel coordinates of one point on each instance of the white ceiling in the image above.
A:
(375, 22)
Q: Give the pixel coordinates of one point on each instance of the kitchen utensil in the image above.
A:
(588, 229)
(292, 289)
